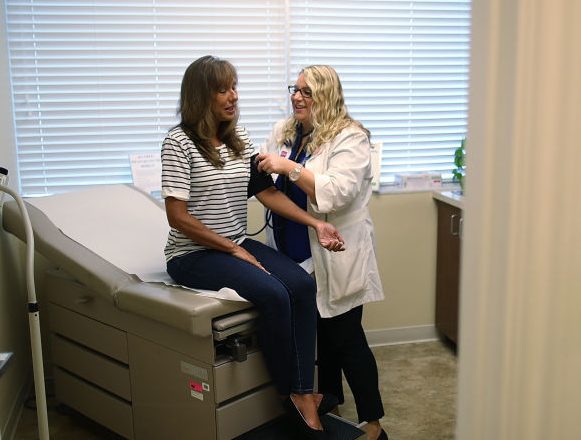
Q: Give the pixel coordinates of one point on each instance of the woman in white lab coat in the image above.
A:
(323, 161)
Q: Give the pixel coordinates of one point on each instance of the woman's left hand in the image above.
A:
(329, 237)
(273, 164)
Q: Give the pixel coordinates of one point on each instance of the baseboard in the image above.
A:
(401, 335)
(16, 411)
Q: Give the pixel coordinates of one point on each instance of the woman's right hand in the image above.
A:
(329, 237)
(243, 254)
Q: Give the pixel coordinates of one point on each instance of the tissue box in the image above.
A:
(419, 180)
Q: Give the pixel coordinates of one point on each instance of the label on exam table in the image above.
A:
(197, 388)
(192, 370)
(197, 395)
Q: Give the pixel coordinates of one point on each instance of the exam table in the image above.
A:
(144, 358)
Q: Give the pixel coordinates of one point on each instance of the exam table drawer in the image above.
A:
(246, 413)
(234, 378)
(94, 403)
(104, 372)
(86, 331)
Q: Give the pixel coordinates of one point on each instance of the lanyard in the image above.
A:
(297, 154)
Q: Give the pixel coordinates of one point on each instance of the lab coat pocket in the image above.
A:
(347, 275)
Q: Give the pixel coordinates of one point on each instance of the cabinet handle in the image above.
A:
(453, 230)
(84, 299)
(461, 227)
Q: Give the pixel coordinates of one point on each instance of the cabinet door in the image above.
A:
(448, 270)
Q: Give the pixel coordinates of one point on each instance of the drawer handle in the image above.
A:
(84, 299)
(453, 229)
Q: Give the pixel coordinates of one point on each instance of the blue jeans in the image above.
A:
(285, 299)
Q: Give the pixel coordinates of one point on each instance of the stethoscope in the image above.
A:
(295, 151)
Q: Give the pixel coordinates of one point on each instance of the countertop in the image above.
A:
(454, 198)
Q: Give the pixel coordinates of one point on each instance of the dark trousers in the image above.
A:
(342, 346)
(285, 299)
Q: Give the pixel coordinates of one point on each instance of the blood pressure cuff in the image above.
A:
(259, 181)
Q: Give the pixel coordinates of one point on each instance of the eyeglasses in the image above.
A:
(305, 92)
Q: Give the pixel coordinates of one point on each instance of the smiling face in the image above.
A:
(302, 106)
(224, 103)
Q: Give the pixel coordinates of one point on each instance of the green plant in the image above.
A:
(459, 157)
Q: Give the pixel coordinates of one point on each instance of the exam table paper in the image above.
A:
(123, 226)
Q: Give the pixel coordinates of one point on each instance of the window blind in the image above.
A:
(95, 81)
(404, 69)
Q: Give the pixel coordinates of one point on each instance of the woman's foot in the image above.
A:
(327, 403)
(374, 431)
(307, 404)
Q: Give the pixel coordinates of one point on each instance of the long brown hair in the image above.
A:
(202, 79)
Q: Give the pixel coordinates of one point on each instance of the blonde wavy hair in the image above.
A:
(329, 115)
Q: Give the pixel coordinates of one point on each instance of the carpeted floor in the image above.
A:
(418, 389)
(417, 382)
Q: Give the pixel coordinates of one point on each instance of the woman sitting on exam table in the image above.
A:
(323, 161)
(207, 175)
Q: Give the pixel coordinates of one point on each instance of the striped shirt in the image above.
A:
(215, 196)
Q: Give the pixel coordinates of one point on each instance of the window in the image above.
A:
(95, 81)
(404, 69)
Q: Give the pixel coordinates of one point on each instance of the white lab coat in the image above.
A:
(342, 170)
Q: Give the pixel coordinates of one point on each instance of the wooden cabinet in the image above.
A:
(448, 269)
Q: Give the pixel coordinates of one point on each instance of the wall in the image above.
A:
(13, 323)
(405, 226)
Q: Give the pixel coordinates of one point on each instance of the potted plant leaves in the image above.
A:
(459, 172)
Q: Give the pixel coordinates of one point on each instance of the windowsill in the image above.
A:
(393, 189)
(446, 188)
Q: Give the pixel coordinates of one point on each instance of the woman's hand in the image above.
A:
(273, 164)
(327, 234)
(329, 237)
(243, 254)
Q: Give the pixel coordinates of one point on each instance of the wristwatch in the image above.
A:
(295, 173)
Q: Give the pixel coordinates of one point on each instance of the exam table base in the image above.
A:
(145, 380)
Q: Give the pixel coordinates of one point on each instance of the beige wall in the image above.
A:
(405, 226)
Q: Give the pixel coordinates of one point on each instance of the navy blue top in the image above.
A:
(292, 238)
